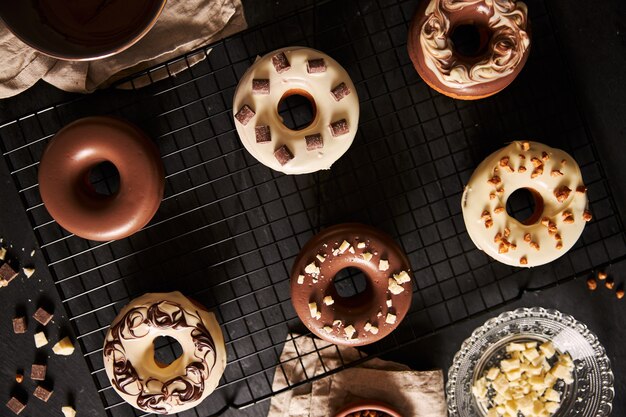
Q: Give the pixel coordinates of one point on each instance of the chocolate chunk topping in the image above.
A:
(19, 325)
(314, 141)
(283, 155)
(7, 274)
(314, 66)
(340, 91)
(260, 86)
(38, 372)
(42, 393)
(42, 316)
(281, 63)
(263, 134)
(15, 405)
(340, 127)
(245, 114)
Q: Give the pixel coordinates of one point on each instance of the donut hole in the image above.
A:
(350, 283)
(104, 179)
(470, 39)
(166, 350)
(525, 205)
(297, 109)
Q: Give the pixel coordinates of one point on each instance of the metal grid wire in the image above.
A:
(229, 228)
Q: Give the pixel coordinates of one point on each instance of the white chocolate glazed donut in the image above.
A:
(129, 353)
(554, 179)
(306, 72)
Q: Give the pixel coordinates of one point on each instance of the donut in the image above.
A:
(296, 71)
(70, 198)
(149, 385)
(560, 214)
(365, 317)
(504, 34)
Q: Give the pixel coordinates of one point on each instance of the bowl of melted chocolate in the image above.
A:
(367, 408)
(79, 30)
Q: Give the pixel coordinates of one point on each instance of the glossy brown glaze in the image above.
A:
(368, 306)
(503, 48)
(70, 198)
(367, 405)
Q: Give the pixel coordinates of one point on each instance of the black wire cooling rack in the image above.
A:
(229, 228)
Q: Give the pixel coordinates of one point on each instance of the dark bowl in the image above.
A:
(367, 405)
(80, 30)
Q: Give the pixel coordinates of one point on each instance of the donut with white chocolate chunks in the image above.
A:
(367, 316)
(139, 378)
(554, 179)
(308, 73)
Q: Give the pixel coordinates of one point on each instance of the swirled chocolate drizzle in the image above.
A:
(152, 394)
(507, 22)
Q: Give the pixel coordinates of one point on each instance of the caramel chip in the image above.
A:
(314, 141)
(283, 155)
(281, 63)
(245, 114)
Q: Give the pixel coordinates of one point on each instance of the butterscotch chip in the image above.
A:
(340, 91)
(488, 223)
(492, 196)
(523, 260)
(527, 237)
(592, 284)
(610, 284)
(38, 372)
(619, 294)
(537, 172)
(19, 378)
(503, 248)
(42, 393)
(545, 221)
(314, 66)
(521, 169)
(581, 189)
(15, 405)
(42, 316)
(261, 86)
(507, 232)
(498, 237)
(485, 215)
(556, 173)
(602, 275)
(545, 156)
(562, 193)
(19, 325)
(534, 245)
(245, 114)
(263, 134)
(536, 162)
(522, 156)
(495, 180)
(525, 146)
(504, 161)
(568, 220)
(281, 63)
(557, 236)
(587, 216)
(500, 190)
(559, 244)
(314, 141)
(283, 155)
(498, 210)
(340, 127)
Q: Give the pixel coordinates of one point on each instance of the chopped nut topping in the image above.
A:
(320, 258)
(525, 146)
(389, 303)
(312, 269)
(522, 168)
(522, 156)
(492, 196)
(558, 236)
(568, 220)
(609, 284)
(619, 294)
(383, 265)
(361, 245)
(485, 215)
(592, 284)
(349, 331)
(507, 232)
(559, 244)
(602, 275)
(394, 287)
(402, 277)
(534, 245)
(300, 279)
(488, 223)
(328, 300)
(503, 248)
(536, 162)
(523, 260)
(328, 329)
(556, 173)
(495, 180)
(527, 237)
(504, 161)
(367, 256)
(344, 246)
(537, 172)
(500, 190)
(545, 221)
(498, 237)
(367, 326)
(587, 216)
(581, 189)
(390, 319)
(498, 209)
(562, 193)
(313, 309)
(552, 229)
(545, 156)
(337, 323)
(373, 330)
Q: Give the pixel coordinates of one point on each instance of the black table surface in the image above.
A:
(593, 35)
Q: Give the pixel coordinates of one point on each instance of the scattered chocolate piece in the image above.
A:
(19, 378)
(42, 393)
(610, 284)
(260, 86)
(263, 134)
(581, 189)
(281, 63)
(7, 274)
(42, 316)
(523, 261)
(314, 141)
(338, 128)
(602, 275)
(619, 294)
(592, 284)
(15, 405)
(314, 66)
(245, 114)
(587, 216)
(283, 155)
(340, 91)
(19, 325)
(38, 372)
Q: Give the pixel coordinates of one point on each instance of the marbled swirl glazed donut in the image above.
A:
(129, 353)
(505, 43)
(560, 214)
(308, 73)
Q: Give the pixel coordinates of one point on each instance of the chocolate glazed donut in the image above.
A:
(71, 199)
(504, 33)
(363, 318)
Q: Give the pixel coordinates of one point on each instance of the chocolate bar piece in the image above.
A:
(338, 128)
(42, 393)
(263, 134)
(245, 114)
(314, 141)
(283, 155)
(314, 66)
(38, 372)
(340, 91)
(281, 63)
(7, 274)
(260, 86)
(15, 405)
(42, 316)
(19, 325)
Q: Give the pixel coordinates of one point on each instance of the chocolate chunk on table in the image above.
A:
(260, 86)
(38, 372)
(7, 274)
(338, 128)
(245, 114)
(281, 63)
(314, 66)
(340, 91)
(15, 405)
(19, 325)
(283, 155)
(42, 316)
(263, 134)
(314, 141)
(42, 393)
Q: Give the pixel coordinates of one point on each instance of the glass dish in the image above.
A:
(590, 395)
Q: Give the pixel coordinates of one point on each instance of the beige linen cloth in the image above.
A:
(411, 393)
(184, 25)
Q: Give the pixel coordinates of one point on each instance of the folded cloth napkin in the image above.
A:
(411, 393)
(184, 25)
